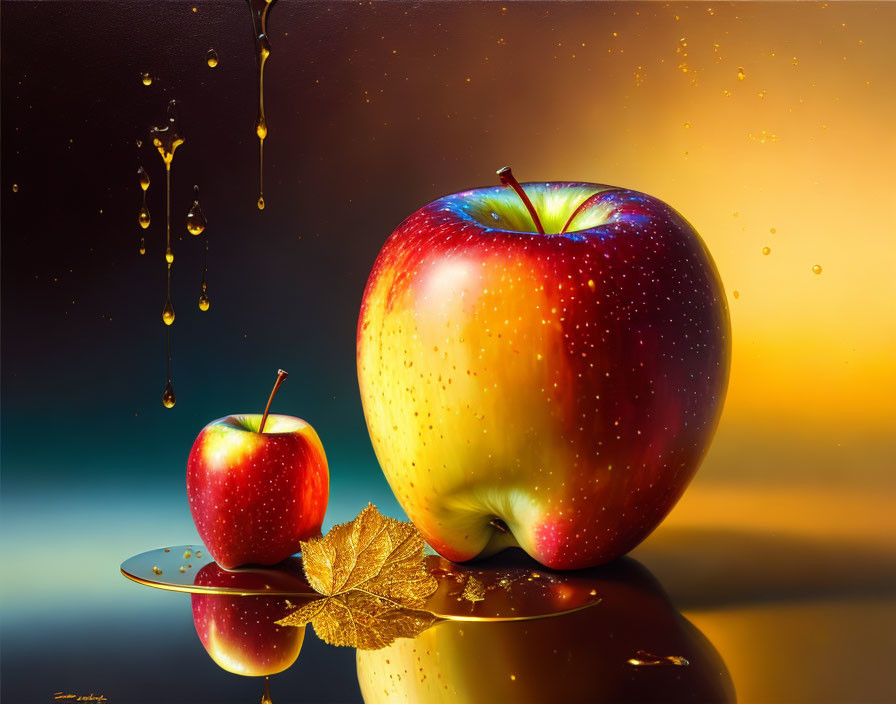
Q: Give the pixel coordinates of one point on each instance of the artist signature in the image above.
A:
(80, 697)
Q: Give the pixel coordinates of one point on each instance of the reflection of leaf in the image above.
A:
(373, 554)
(359, 620)
(474, 590)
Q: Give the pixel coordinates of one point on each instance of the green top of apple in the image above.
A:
(275, 425)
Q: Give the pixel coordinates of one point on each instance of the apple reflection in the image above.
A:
(633, 646)
(240, 632)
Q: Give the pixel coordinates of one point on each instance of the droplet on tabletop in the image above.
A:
(156, 569)
(740, 73)
(187, 554)
(168, 313)
(168, 401)
(766, 250)
(736, 294)
(816, 269)
(211, 58)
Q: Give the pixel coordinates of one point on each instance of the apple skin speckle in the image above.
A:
(254, 497)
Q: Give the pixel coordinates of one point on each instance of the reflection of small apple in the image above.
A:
(257, 486)
(553, 391)
(622, 650)
(239, 632)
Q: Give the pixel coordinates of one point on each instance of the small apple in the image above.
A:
(257, 486)
(239, 632)
(633, 646)
(542, 366)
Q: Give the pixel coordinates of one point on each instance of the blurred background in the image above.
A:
(765, 125)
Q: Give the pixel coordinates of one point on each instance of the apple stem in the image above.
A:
(508, 179)
(498, 525)
(281, 377)
(575, 212)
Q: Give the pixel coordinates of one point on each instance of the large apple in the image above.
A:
(553, 391)
(633, 646)
(239, 632)
(257, 485)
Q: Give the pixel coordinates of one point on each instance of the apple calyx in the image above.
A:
(281, 377)
(508, 179)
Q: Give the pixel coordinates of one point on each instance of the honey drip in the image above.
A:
(211, 58)
(204, 302)
(266, 696)
(143, 215)
(643, 658)
(195, 218)
(260, 10)
(167, 139)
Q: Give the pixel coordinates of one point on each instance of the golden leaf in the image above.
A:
(373, 554)
(474, 590)
(359, 620)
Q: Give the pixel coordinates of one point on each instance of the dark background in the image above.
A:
(375, 109)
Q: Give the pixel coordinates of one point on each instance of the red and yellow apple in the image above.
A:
(631, 647)
(239, 632)
(554, 391)
(256, 495)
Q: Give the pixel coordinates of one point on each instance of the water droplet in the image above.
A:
(147, 79)
(155, 568)
(736, 294)
(143, 217)
(495, 216)
(139, 143)
(816, 269)
(187, 554)
(260, 203)
(740, 73)
(143, 178)
(766, 250)
(15, 188)
(168, 313)
(169, 256)
(195, 218)
(204, 302)
(212, 58)
(687, 125)
(168, 399)
(772, 230)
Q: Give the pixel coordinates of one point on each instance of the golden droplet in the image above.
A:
(147, 79)
(143, 178)
(211, 58)
(15, 188)
(261, 202)
(261, 127)
(204, 302)
(188, 554)
(766, 250)
(143, 217)
(181, 569)
(142, 248)
(169, 256)
(168, 313)
(687, 125)
(156, 569)
(168, 399)
(772, 230)
(816, 269)
(195, 218)
(736, 294)
(740, 73)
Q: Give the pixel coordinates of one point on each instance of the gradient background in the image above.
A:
(781, 551)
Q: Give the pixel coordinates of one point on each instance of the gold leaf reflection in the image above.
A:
(359, 620)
